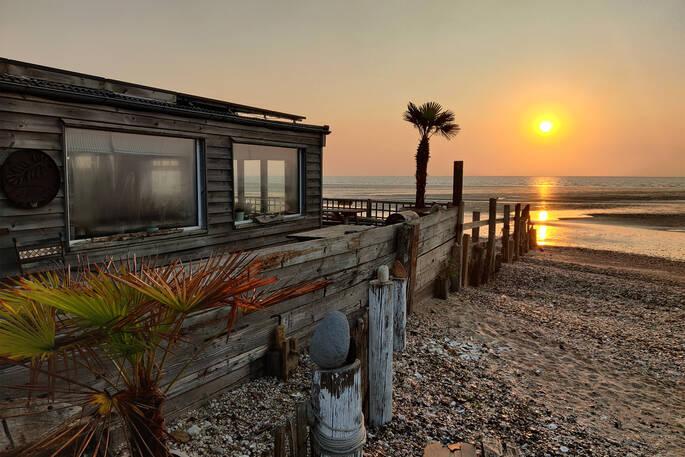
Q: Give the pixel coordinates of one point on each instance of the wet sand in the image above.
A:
(647, 220)
(569, 352)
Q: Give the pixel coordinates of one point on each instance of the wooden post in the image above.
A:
(301, 430)
(442, 284)
(505, 235)
(455, 267)
(457, 182)
(465, 258)
(525, 219)
(368, 208)
(380, 352)
(407, 254)
(533, 238)
(478, 261)
(460, 222)
(492, 238)
(399, 321)
(338, 427)
(360, 333)
(475, 231)
(517, 230)
(280, 449)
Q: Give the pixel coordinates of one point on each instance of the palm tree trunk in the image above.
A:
(422, 156)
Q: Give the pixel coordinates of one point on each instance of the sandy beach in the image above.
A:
(568, 352)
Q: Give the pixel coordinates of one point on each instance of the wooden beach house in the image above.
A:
(94, 168)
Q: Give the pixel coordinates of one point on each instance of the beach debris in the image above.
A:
(330, 342)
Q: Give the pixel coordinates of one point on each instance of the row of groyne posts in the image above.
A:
(352, 385)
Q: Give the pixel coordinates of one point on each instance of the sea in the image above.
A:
(640, 215)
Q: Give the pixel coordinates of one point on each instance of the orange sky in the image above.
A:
(610, 72)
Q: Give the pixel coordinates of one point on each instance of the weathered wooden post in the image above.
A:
(492, 238)
(460, 221)
(465, 258)
(381, 325)
(338, 428)
(525, 220)
(517, 230)
(399, 320)
(457, 182)
(505, 234)
(475, 231)
(455, 267)
(442, 283)
(407, 254)
(478, 261)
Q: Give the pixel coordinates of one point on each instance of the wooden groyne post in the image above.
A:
(475, 231)
(492, 239)
(505, 235)
(399, 299)
(381, 325)
(517, 231)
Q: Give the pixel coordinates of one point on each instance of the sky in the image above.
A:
(609, 74)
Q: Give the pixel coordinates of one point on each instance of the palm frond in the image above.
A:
(27, 328)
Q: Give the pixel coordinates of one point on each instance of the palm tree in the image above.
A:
(428, 119)
(111, 342)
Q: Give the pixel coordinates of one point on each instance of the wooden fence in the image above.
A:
(349, 262)
(374, 211)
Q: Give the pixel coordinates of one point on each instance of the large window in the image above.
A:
(122, 183)
(266, 180)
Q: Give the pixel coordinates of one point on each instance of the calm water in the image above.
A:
(629, 214)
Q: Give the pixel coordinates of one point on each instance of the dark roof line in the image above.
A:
(185, 104)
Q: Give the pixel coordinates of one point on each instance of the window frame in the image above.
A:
(201, 180)
(300, 180)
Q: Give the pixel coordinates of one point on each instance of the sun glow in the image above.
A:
(545, 126)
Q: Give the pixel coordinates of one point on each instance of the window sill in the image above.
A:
(133, 238)
(252, 224)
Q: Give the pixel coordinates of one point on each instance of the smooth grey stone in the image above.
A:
(331, 341)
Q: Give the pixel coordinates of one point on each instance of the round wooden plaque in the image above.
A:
(29, 178)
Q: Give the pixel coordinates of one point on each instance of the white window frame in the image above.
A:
(300, 182)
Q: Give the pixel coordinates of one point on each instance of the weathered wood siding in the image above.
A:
(348, 261)
(35, 122)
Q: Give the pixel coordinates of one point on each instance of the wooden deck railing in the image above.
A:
(375, 211)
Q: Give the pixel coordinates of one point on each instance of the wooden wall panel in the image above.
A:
(36, 122)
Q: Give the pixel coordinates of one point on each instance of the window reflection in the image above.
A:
(123, 182)
(266, 181)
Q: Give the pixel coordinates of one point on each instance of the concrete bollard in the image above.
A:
(381, 310)
(338, 423)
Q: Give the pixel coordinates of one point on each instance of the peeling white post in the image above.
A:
(380, 350)
(338, 426)
(399, 341)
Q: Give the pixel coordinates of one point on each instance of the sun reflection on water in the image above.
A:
(543, 231)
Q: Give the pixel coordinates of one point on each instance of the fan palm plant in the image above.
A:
(429, 119)
(101, 340)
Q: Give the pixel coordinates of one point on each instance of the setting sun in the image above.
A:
(546, 126)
